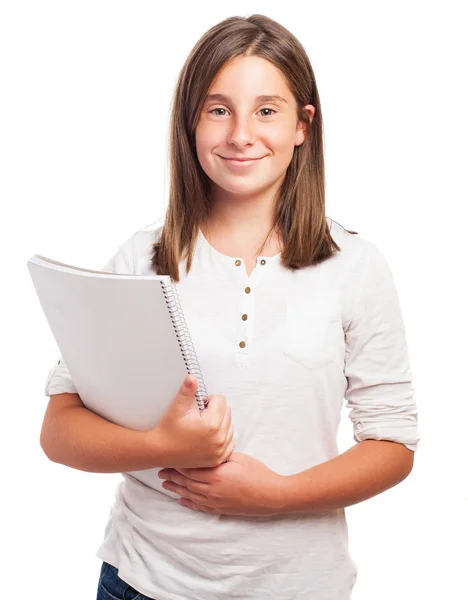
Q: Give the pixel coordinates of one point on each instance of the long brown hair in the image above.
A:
(300, 205)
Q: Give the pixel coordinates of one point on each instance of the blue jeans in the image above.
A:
(111, 587)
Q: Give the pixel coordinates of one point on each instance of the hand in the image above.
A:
(192, 438)
(241, 486)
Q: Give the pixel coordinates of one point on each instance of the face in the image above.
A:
(240, 125)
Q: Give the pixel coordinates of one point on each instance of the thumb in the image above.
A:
(189, 386)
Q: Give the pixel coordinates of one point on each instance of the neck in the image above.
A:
(242, 221)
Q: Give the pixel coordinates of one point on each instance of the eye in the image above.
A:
(215, 109)
(270, 109)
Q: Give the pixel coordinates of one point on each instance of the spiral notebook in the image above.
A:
(123, 337)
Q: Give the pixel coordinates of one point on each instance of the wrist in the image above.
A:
(281, 494)
(155, 447)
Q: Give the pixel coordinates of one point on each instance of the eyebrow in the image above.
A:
(264, 98)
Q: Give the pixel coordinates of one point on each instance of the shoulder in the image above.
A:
(355, 249)
(133, 255)
(142, 246)
(147, 235)
(361, 265)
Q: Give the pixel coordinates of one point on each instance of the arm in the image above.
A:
(364, 470)
(76, 437)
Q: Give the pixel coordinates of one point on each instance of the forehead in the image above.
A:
(262, 98)
(251, 77)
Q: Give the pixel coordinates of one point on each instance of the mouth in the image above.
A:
(241, 163)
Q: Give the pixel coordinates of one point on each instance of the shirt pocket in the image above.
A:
(312, 334)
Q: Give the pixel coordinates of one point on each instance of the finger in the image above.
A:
(185, 492)
(226, 423)
(191, 484)
(230, 436)
(202, 475)
(200, 507)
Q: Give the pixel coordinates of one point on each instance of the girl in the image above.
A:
(289, 314)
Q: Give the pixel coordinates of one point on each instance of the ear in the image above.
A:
(301, 127)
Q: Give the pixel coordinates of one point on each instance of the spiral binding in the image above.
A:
(185, 342)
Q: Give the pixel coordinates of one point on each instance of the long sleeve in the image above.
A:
(59, 380)
(380, 393)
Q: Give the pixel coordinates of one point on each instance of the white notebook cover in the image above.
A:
(117, 337)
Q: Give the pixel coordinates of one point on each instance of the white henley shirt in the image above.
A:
(312, 337)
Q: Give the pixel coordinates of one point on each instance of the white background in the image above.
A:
(84, 106)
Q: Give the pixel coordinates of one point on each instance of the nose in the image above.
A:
(241, 132)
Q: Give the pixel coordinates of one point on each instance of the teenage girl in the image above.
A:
(289, 314)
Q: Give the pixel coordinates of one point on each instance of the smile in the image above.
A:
(241, 164)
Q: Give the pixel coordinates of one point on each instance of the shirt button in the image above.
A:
(242, 344)
(244, 317)
(263, 261)
(247, 290)
(238, 263)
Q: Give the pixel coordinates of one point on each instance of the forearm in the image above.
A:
(81, 439)
(364, 470)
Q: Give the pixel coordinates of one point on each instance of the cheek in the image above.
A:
(282, 140)
(206, 143)
(203, 148)
(207, 136)
(283, 150)
(207, 159)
